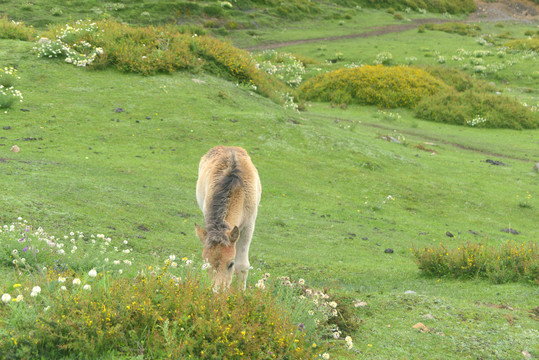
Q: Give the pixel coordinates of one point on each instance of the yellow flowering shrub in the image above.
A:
(153, 314)
(384, 86)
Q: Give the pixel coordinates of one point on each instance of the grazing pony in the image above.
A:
(228, 193)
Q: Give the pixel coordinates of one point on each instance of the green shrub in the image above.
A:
(384, 86)
(478, 108)
(456, 28)
(149, 50)
(510, 262)
(10, 29)
(213, 10)
(455, 78)
(225, 60)
(524, 44)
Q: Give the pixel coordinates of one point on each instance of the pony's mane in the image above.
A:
(229, 180)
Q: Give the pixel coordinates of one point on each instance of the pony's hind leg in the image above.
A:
(242, 254)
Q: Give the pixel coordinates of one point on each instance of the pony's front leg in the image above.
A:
(242, 264)
(242, 277)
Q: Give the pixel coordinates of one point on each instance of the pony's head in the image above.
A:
(219, 251)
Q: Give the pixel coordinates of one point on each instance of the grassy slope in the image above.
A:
(323, 181)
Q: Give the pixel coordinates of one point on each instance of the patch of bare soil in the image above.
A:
(506, 10)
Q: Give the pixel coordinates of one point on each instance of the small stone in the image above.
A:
(421, 327)
(119, 110)
(449, 234)
(15, 149)
(388, 251)
(7, 128)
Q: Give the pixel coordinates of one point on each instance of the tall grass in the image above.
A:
(510, 262)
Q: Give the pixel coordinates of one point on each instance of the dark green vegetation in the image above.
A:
(221, 15)
(116, 153)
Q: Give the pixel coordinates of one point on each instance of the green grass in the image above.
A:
(329, 179)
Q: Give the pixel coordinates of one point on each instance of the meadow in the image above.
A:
(353, 197)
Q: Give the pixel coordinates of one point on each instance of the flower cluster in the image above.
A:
(34, 250)
(73, 43)
(478, 119)
(288, 100)
(384, 58)
(283, 66)
(8, 94)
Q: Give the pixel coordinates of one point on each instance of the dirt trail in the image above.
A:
(504, 10)
(410, 132)
(379, 30)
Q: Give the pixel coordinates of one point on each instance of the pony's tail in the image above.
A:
(231, 178)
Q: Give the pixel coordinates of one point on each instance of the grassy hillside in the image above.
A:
(222, 16)
(106, 152)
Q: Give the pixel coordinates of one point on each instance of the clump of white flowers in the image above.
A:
(8, 94)
(284, 66)
(478, 119)
(72, 43)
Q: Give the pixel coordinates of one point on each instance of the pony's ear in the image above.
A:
(201, 233)
(234, 234)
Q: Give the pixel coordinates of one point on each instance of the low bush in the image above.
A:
(225, 60)
(10, 29)
(476, 108)
(458, 79)
(150, 50)
(384, 86)
(455, 28)
(152, 315)
(510, 262)
(68, 297)
(531, 44)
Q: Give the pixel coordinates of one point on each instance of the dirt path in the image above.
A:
(379, 30)
(504, 10)
(438, 140)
